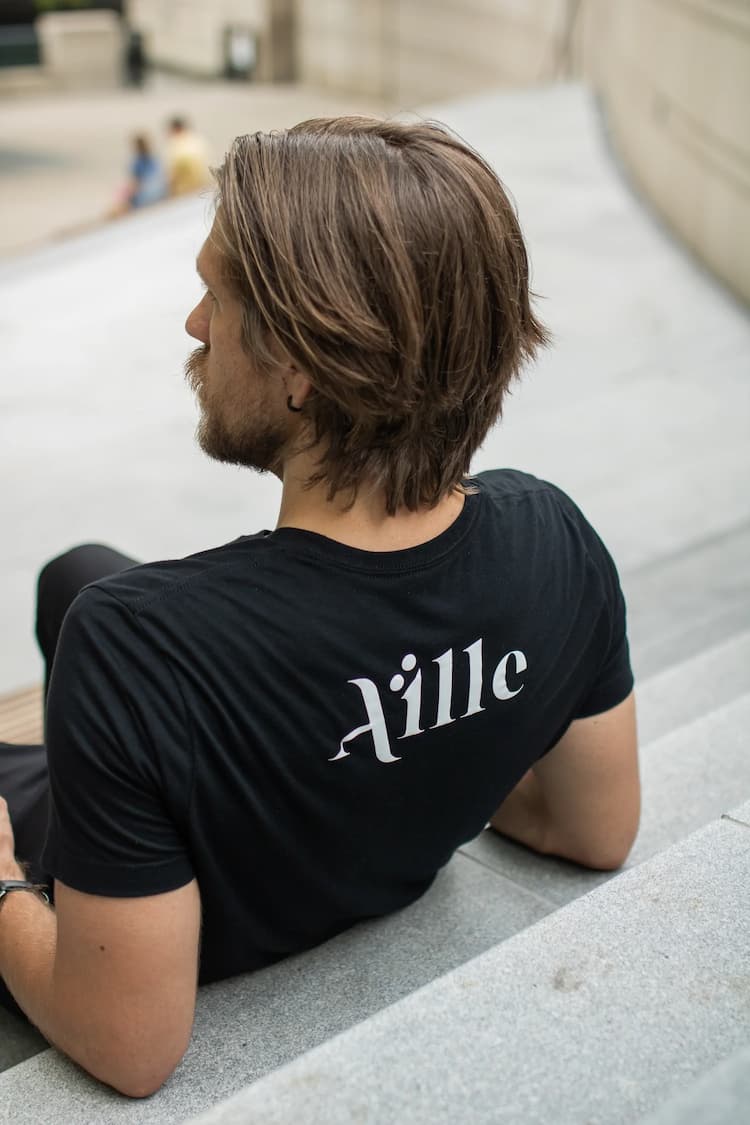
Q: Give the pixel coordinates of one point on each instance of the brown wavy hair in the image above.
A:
(387, 261)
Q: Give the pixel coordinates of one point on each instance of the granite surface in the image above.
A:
(721, 1097)
(688, 778)
(252, 1024)
(682, 605)
(599, 1013)
(689, 689)
(741, 814)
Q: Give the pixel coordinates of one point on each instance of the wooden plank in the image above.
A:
(21, 716)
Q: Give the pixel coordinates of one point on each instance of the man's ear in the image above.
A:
(297, 385)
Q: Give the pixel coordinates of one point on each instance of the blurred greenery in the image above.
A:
(62, 5)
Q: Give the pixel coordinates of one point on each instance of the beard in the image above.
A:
(244, 434)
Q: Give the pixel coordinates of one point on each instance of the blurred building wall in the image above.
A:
(416, 51)
(673, 75)
(81, 49)
(191, 36)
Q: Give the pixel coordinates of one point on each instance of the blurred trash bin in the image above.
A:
(240, 52)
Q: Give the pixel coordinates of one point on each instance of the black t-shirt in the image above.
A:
(311, 730)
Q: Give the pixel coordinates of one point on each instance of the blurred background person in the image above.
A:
(135, 58)
(146, 181)
(187, 160)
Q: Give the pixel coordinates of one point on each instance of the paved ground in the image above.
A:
(62, 158)
(641, 410)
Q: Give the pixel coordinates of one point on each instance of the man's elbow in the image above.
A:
(139, 1089)
(604, 859)
(609, 854)
(601, 853)
(133, 1069)
(137, 1082)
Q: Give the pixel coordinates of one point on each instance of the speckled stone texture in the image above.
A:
(721, 1097)
(688, 777)
(598, 1014)
(688, 602)
(252, 1024)
(741, 814)
(691, 688)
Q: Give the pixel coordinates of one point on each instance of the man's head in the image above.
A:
(385, 262)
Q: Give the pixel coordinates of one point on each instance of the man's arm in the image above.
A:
(110, 981)
(581, 801)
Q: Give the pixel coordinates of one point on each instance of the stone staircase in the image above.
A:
(518, 989)
(521, 989)
(598, 1013)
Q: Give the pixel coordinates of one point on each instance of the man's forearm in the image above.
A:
(523, 815)
(28, 947)
(28, 940)
(28, 932)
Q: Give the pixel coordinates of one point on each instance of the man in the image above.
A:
(268, 741)
(187, 166)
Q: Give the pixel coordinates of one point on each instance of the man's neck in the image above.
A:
(365, 525)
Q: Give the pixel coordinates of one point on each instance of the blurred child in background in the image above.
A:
(146, 181)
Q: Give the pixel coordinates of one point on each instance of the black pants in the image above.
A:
(23, 769)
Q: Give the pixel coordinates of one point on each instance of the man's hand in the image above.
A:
(9, 868)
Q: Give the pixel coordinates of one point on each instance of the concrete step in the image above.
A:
(250, 1025)
(689, 775)
(671, 699)
(681, 605)
(599, 1012)
(720, 1097)
(247, 1027)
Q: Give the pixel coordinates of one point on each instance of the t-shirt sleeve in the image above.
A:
(611, 678)
(119, 758)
